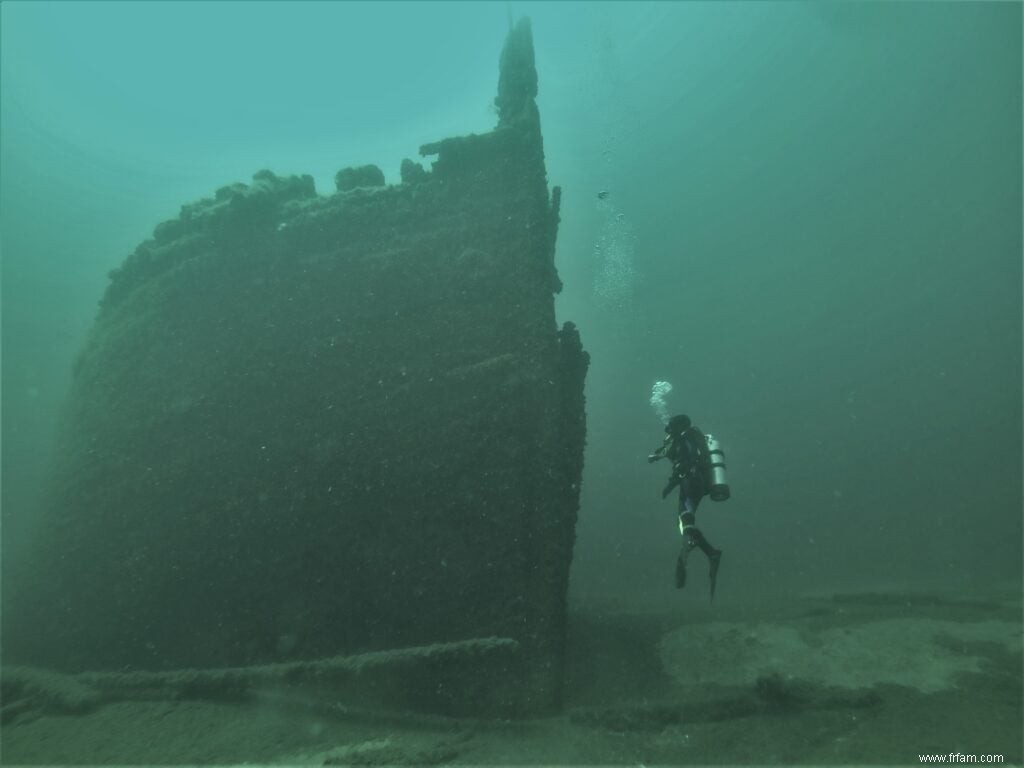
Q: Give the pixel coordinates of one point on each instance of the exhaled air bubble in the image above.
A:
(614, 252)
(659, 392)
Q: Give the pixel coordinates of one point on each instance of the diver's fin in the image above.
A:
(681, 568)
(684, 554)
(715, 558)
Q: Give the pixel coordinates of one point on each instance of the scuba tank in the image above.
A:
(718, 483)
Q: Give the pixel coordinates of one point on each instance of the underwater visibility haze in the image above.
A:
(798, 224)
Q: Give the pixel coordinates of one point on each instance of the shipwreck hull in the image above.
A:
(309, 425)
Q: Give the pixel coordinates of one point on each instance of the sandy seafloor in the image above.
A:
(876, 677)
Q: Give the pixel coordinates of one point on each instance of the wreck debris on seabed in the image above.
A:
(849, 678)
(355, 685)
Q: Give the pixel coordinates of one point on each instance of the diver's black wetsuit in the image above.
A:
(686, 447)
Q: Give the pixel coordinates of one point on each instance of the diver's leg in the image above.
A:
(690, 495)
(714, 555)
(694, 537)
(686, 525)
(699, 539)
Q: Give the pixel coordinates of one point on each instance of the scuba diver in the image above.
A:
(698, 470)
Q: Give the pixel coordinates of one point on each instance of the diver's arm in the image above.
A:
(660, 452)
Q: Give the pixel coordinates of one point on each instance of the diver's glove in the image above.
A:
(653, 458)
